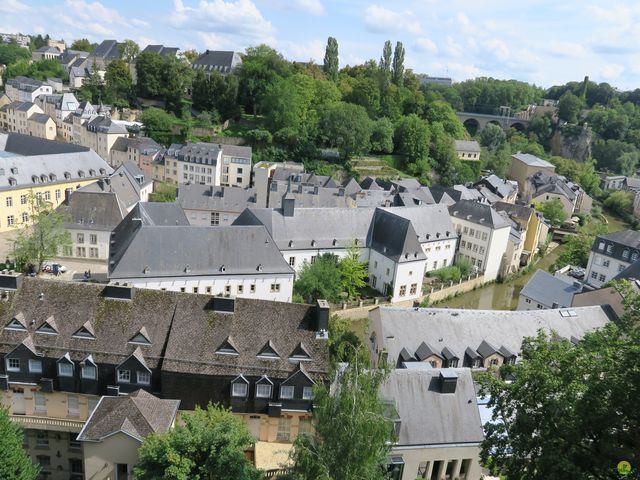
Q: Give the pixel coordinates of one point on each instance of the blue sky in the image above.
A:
(540, 41)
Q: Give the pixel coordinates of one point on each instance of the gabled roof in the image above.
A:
(548, 289)
(394, 237)
(467, 146)
(430, 222)
(161, 50)
(532, 160)
(479, 213)
(425, 351)
(107, 50)
(216, 60)
(92, 210)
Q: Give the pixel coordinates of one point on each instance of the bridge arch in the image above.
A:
(472, 125)
(519, 126)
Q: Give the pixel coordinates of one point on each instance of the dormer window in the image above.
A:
(307, 393)
(103, 171)
(35, 179)
(227, 348)
(144, 378)
(268, 352)
(625, 254)
(13, 182)
(14, 170)
(92, 172)
(16, 323)
(53, 177)
(124, 376)
(141, 338)
(239, 387)
(85, 331)
(89, 370)
(67, 175)
(264, 387)
(81, 173)
(300, 354)
(13, 364)
(65, 369)
(48, 327)
(313, 243)
(286, 391)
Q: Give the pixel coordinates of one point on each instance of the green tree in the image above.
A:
(352, 434)
(191, 55)
(620, 202)
(569, 107)
(149, 73)
(553, 210)
(347, 127)
(117, 80)
(493, 137)
(15, 463)
(353, 272)
(365, 92)
(82, 44)
(385, 65)
(344, 345)
(177, 76)
(129, 51)
(610, 156)
(158, 124)
(320, 279)
(398, 65)
(578, 247)
(331, 62)
(40, 70)
(209, 445)
(412, 139)
(382, 136)
(10, 53)
(45, 238)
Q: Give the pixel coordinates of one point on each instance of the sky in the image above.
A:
(540, 41)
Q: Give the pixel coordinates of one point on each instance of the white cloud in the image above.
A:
(426, 45)
(498, 49)
(612, 71)
(567, 49)
(12, 6)
(380, 19)
(304, 51)
(452, 48)
(312, 7)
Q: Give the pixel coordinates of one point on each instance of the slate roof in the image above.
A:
(467, 146)
(107, 50)
(395, 237)
(105, 124)
(216, 60)
(628, 238)
(40, 118)
(547, 289)
(138, 414)
(27, 146)
(161, 50)
(146, 145)
(122, 182)
(479, 213)
(501, 187)
(92, 210)
(521, 212)
(461, 329)
(238, 151)
(543, 183)
(428, 220)
(210, 198)
(429, 417)
(532, 160)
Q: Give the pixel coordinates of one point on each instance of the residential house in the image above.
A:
(73, 351)
(211, 206)
(59, 107)
(41, 125)
(454, 338)
(15, 117)
(612, 182)
(545, 290)
(511, 260)
(152, 249)
(217, 61)
(495, 189)
(610, 255)
(484, 235)
(541, 188)
(531, 222)
(46, 53)
(631, 184)
(100, 134)
(104, 54)
(46, 169)
(161, 50)
(437, 423)
(70, 58)
(525, 165)
(142, 151)
(24, 89)
(468, 150)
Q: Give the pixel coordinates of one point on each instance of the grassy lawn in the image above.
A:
(379, 166)
(163, 192)
(238, 128)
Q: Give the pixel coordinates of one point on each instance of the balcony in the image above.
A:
(48, 423)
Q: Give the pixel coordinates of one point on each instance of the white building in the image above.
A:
(545, 291)
(24, 89)
(154, 247)
(484, 236)
(610, 255)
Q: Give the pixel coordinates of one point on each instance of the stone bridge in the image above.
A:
(475, 122)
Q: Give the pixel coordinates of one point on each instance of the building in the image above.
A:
(524, 165)
(612, 182)
(46, 169)
(636, 205)
(610, 255)
(531, 223)
(161, 50)
(104, 54)
(495, 189)
(211, 206)
(73, 349)
(100, 133)
(468, 150)
(426, 79)
(142, 151)
(28, 119)
(217, 61)
(454, 338)
(59, 107)
(484, 235)
(544, 290)
(631, 184)
(24, 89)
(46, 53)
(541, 188)
(437, 423)
(512, 257)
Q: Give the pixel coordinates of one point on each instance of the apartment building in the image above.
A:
(610, 255)
(27, 118)
(141, 151)
(525, 165)
(531, 223)
(24, 89)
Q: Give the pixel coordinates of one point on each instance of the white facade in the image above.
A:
(17, 94)
(433, 461)
(88, 244)
(440, 253)
(602, 268)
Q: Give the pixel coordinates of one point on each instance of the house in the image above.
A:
(531, 223)
(104, 54)
(511, 259)
(28, 119)
(59, 107)
(24, 89)
(74, 351)
(525, 165)
(142, 151)
(116, 429)
(217, 61)
(426, 80)
(161, 50)
(612, 182)
(454, 338)
(610, 296)
(545, 290)
(33, 166)
(210, 206)
(541, 188)
(631, 184)
(46, 53)
(437, 423)
(610, 255)
(484, 235)
(41, 125)
(100, 133)
(468, 150)
(495, 189)
(68, 58)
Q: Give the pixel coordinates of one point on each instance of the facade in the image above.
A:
(211, 206)
(495, 189)
(636, 205)
(142, 151)
(544, 290)
(512, 257)
(28, 119)
(59, 107)
(24, 89)
(100, 134)
(46, 53)
(437, 422)
(524, 165)
(610, 255)
(468, 150)
(613, 182)
(456, 338)
(531, 222)
(545, 188)
(484, 236)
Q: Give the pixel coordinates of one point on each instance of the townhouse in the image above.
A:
(24, 89)
(27, 118)
(495, 189)
(610, 255)
(531, 223)
(100, 133)
(210, 206)
(85, 363)
(58, 107)
(142, 151)
(46, 53)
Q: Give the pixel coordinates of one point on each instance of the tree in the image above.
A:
(569, 107)
(493, 137)
(158, 124)
(209, 445)
(347, 127)
(578, 247)
(412, 139)
(352, 433)
(320, 279)
(94, 84)
(353, 272)
(117, 80)
(82, 44)
(149, 73)
(15, 463)
(261, 67)
(45, 238)
(10, 53)
(385, 65)
(382, 136)
(129, 51)
(331, 63)
(398, 65)
(177, 76)
(553, 210)
(191, 55)
(620, 202)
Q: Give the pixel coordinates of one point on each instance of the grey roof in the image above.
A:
(479, 213)
(547, 289)
(425, 351)
(532, 160)
(105, 124)
(394, 237)
(236, 151)
(628, 238)
(542, 183)
(47, 49)
(429, 417)
(216, 60)
(122, 183)
(460, 329)
(146, 145)
(430, 222)
(518, 211)
(210, 198)
(107, 50)
(40, 117)
(92, 210)
(501, 187)
(161, 50)
(27, 146)
(467, 145)
(307, 196)
(632, 272)
(138, 414)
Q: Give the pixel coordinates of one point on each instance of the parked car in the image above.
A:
(50, 267)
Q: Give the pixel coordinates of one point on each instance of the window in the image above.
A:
(414, 289)
(463, 244)
(305, 426)
(75, 465)
(10, 220)
(313, 259)
(9, 201)
(621, 267)
(35, 366)
(494, 362)
(92, 403)
(479, 263)
(286, 391)
(252, 288)
(23, 199)
(601, 246)
(93, 239)
(527, 300)
(13, 365)
(93, 252)
(484, 236)
(89, 372)
(634, 256)
(25, 217)
(403, 290)
(435, 265)
(263, 391)
(47, 195)
(80, 238)
(58, 194)
(72, 406)
(240, 289)
(606, 263)
(124, 376)
(65, 369)
(239, 389)
(284, 429)
(472, 232)
(609, 248)
(239, 180)
(42, 438)
(307, 393)
(39, 403)
(144, 378)
(195, 289)
(625, 254)
(601, 278)
(227, 289)
(275, 288)
(292, 261)
(594, 275)
(81, 252)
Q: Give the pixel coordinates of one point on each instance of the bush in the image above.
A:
(447, 274)
(465, 266)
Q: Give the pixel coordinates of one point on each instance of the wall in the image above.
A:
(203, 217)
(101, 245)
(413, 457)
(519, 171)
(598, 265)
(100, 457)
(440, 253)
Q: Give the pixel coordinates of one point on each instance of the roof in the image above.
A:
(123, 183)
(26, 145)
(628, 238)
(394, 237)
(216, 60)
(518, 211)
(47, 49)
(40, 118)
(460, 329)
(107, 50)
(105, 124)
(205, 197)
(602, 296)
(467, 146)
(236, 151)
(532, 160)
(547, 289)
(479, 213)
(429, 417)
(161, 50)
(501, 187)
(138, 414)
(430, 222)
(92, 210)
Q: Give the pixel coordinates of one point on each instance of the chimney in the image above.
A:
(577, 285)
(222, 192)
(322, 319)
(448, 380)
(101, 184)
(211, 190)
(315, 190)
(555, 305)
(341, 191)
(288, 205)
